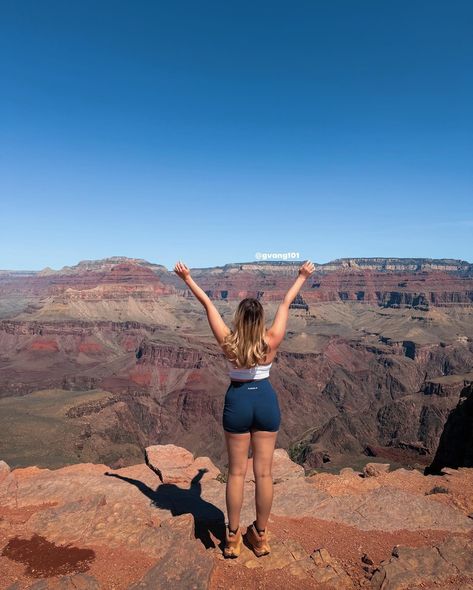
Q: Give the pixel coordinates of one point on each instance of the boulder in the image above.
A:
(173, 464)
(375, 469)
(410, 567)
(4, 470)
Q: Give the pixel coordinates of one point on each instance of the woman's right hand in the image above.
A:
(307, 269)
(182, 270)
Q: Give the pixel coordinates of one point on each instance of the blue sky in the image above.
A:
(209, 131)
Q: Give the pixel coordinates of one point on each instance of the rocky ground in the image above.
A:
(160, 524)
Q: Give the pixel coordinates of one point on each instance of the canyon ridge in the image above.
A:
(102, 359)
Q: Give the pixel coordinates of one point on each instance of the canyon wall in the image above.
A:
(376, 356)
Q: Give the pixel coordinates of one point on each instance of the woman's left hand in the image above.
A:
(182, 270)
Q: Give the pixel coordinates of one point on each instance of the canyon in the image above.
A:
(102, 359)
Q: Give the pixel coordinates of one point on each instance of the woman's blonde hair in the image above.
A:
(245, 344)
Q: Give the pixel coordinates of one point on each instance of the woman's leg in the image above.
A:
(263, 443)
(237, 449)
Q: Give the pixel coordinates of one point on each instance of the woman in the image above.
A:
(251, 411)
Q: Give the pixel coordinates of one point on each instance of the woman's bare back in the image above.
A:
(270, 356)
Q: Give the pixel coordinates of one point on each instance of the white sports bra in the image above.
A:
(258, 372)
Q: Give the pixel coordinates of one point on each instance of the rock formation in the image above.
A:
(113, 355)
(160, 524)
(456, 443)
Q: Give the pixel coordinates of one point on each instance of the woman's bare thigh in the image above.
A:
(263, 443)
(237, 450)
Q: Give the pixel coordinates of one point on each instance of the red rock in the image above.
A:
(411, 566)
(185, 564)
(74, 582)
(130, 509)
(375, 469)
(373, 375)
(386, 508)
(329, 571)
(44, 345)
(174, 464)
(4, 470)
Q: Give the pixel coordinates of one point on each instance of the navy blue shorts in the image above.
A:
(251, 404)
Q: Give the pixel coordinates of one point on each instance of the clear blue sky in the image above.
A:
(208, 131)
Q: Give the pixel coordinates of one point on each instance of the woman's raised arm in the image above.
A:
(217, 325)
(278, 329)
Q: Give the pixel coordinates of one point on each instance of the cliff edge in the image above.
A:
(160, 524)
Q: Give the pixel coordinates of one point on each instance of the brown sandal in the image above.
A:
(258, 540)
(233, 542)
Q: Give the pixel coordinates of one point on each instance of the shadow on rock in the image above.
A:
(208, 518)
(455, 448)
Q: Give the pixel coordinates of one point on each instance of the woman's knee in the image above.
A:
(263, 475)
(237, 471)
(262, 469)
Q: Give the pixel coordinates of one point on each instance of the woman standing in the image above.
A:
(251, 413)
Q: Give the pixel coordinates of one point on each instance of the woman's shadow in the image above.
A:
(207, 517)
